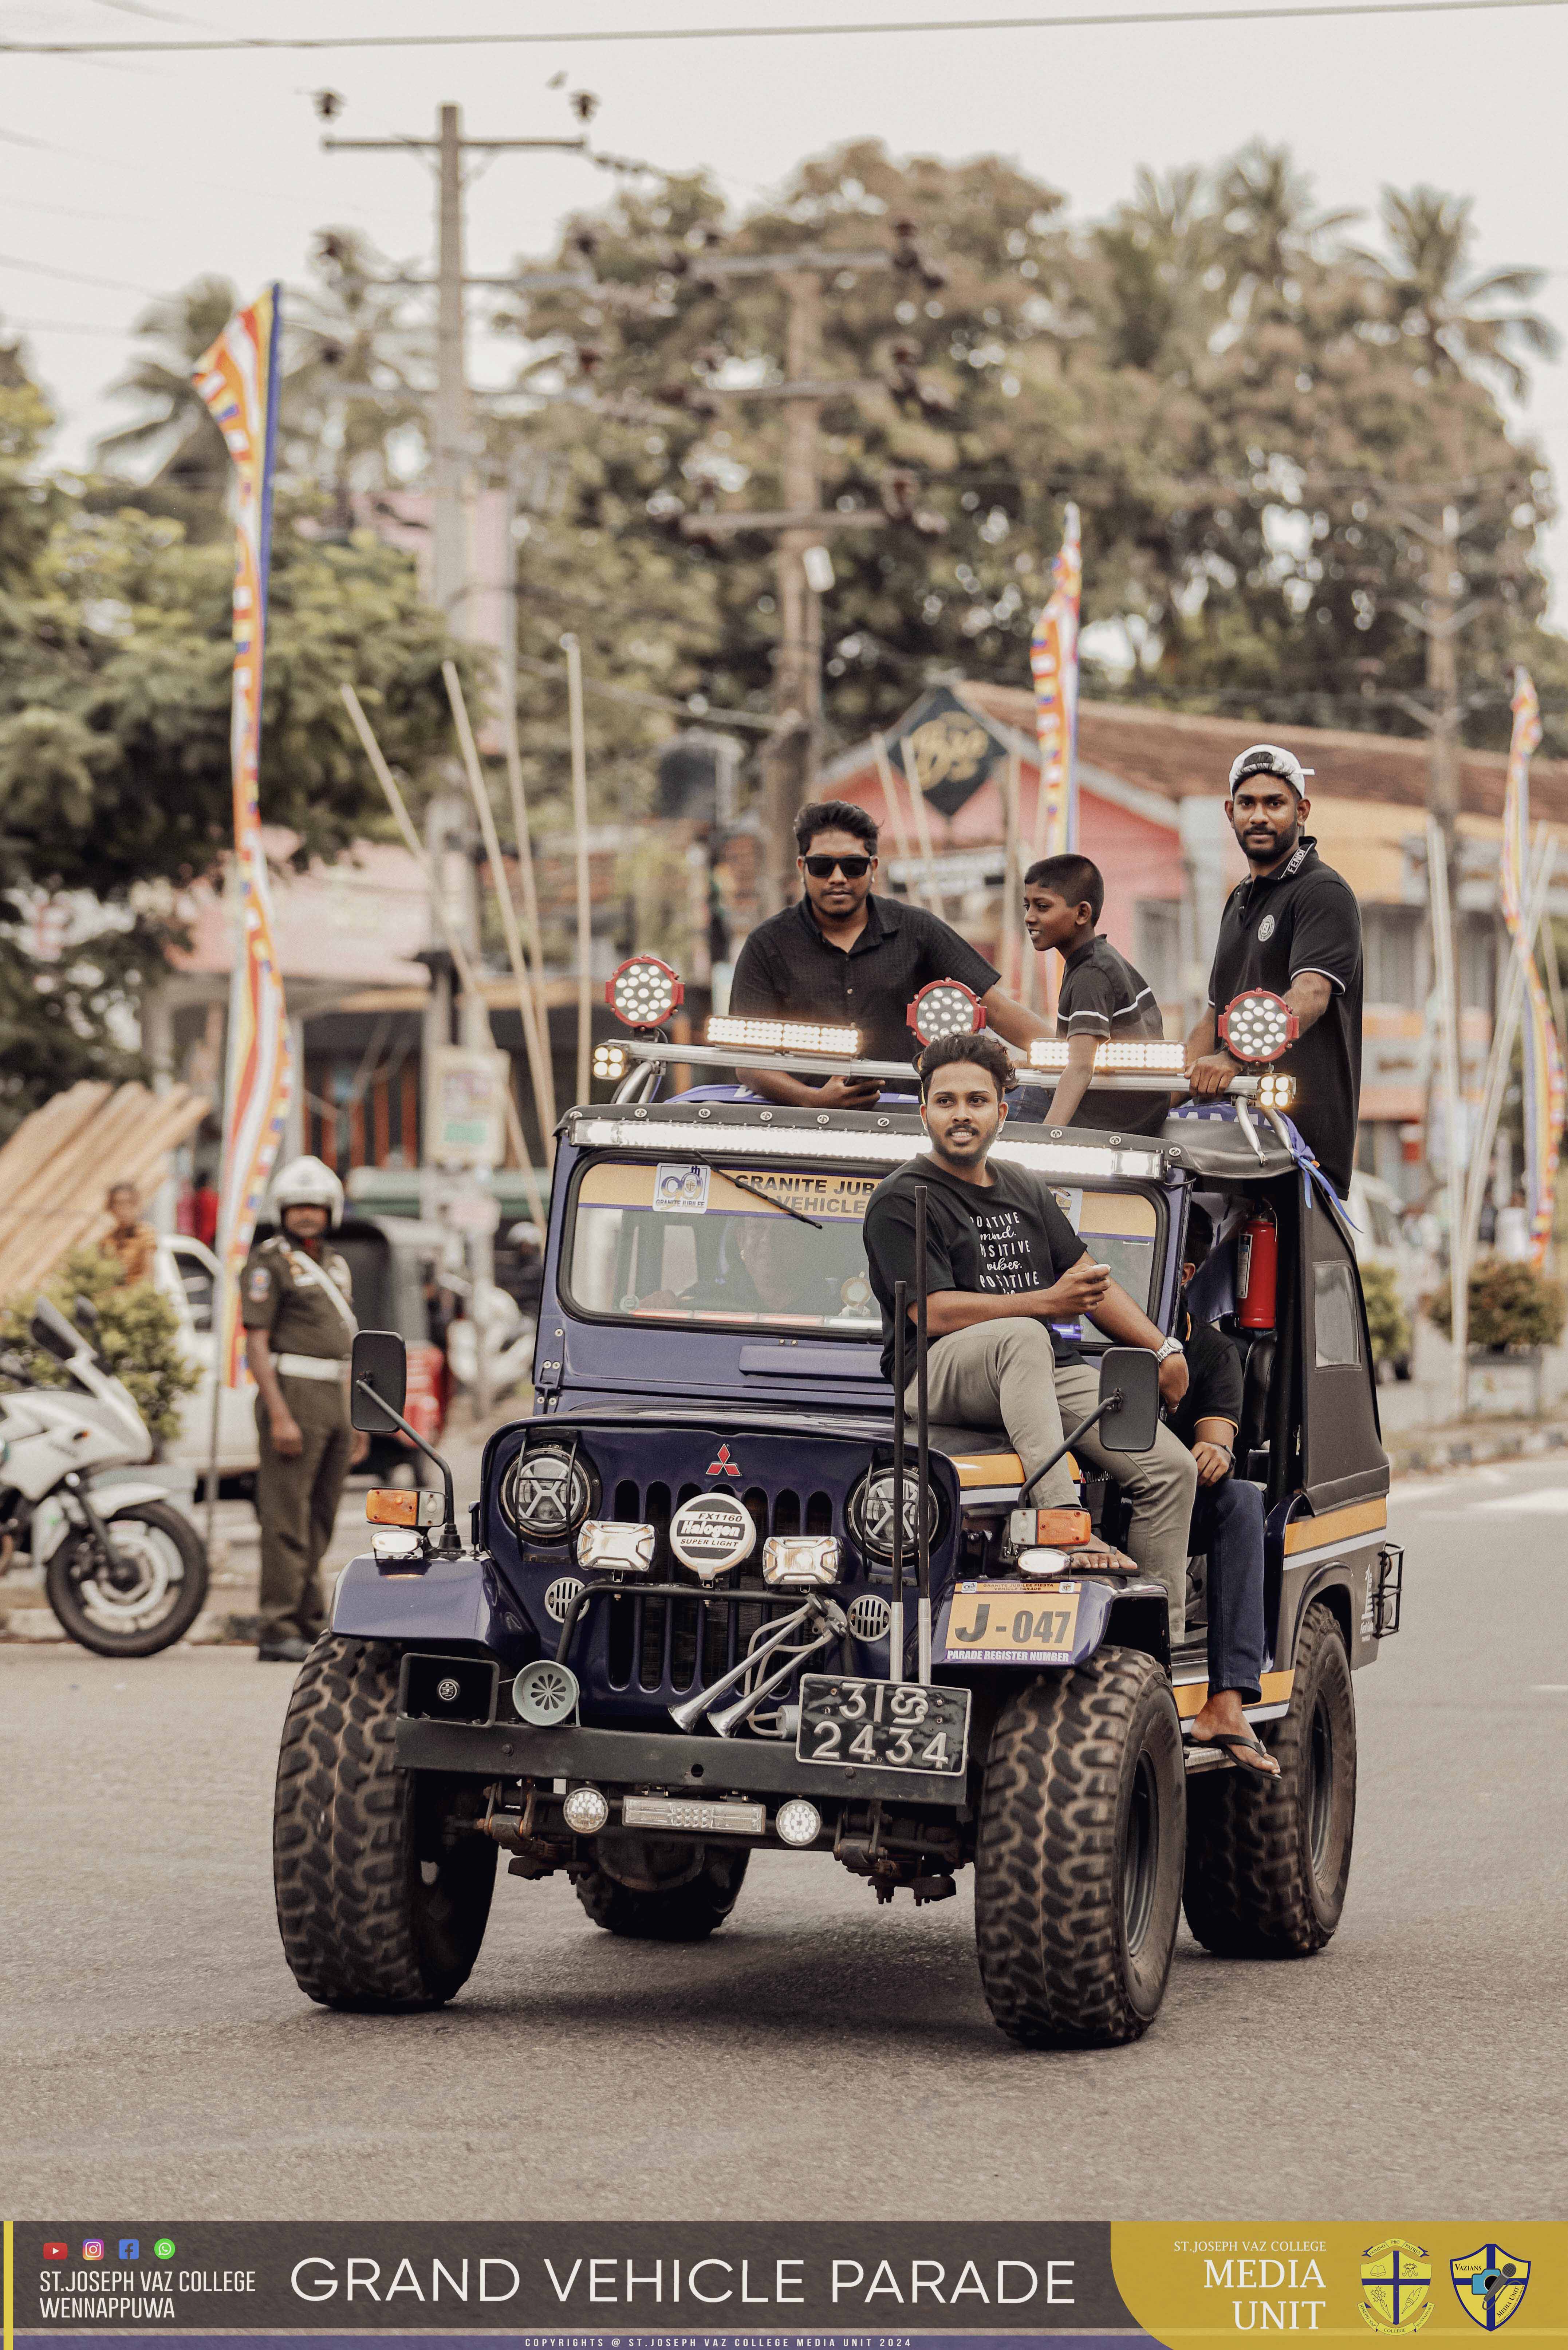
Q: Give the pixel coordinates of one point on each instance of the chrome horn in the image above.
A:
(689, 1712)
(733, 1715)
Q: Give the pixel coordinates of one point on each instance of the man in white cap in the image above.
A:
(1295, 928)
(296, 1305)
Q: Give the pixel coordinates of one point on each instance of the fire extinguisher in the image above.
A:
(1257, 1270)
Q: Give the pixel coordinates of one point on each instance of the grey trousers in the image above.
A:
(1007, 1371)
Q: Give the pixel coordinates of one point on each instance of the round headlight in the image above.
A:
(945, 1007)
(585, 1811)
(547, 1493)
(643, 991)
(1259, 1026)
(870, 1515)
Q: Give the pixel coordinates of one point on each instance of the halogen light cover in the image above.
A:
(1259, 1026)
(945, 1007)
(643, 991)
(710, 1533)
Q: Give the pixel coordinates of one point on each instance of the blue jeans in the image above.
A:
(1228, 1525)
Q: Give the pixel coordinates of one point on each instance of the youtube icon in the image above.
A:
(56, 2251)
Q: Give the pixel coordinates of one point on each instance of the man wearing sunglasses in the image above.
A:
(845, 956)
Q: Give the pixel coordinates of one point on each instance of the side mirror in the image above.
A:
(1130, 1376)
(379, 1360)
(87, 1317)
(51, 1333)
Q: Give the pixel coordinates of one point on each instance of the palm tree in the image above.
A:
(1464, 324)
(354, 371)
(1270, 232)
(1157, 250)
(174, 424)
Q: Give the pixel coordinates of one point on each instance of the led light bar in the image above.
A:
(611, 1542)
(945, 1007)
(643, 991)
(1149, 1052)
(1276, 1090)
(613, 1130)
(783, 1035)
(1259, 1026)
(610, 1061)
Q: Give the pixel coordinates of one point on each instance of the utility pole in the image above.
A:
(452, 450)
(791, 754)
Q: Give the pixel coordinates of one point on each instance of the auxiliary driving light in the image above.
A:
(611, 1542)
(609, 1061)
(783, 1035)
(1143, 1053)
(585, 1811)
(798, 1822)
(1259, 1026)
(945, 1007)
(1276, 1089)
(642, 991)
(799, 1560)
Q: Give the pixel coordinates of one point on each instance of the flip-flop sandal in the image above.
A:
(1244, 1744)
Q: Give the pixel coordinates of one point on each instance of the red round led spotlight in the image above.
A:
(945, 1007)
(1258, 1026)
(642, 991)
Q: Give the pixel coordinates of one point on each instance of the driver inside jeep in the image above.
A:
(769, 1266)
(1009, 1283)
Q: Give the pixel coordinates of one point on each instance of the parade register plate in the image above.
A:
(895, 1725)
(1005, 1622)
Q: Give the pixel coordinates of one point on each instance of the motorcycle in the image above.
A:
(124, 1571)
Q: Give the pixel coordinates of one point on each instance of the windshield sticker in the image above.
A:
(680, 1190)
(842, 1197)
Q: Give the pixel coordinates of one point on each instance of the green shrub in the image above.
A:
(139, 1340)
(1386, 1317)
(1510, 1305)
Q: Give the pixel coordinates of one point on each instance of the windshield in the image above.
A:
(675, 1241)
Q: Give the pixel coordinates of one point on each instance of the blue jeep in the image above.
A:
(674, 1636)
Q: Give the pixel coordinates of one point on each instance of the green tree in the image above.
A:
(137, 1336)
(1461, 325)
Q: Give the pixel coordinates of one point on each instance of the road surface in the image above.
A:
(820, 2057)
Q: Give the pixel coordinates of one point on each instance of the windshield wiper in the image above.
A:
(784, 1207)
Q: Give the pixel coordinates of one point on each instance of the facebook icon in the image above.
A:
(131, 2248)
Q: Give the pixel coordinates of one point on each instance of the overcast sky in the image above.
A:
(147, 171)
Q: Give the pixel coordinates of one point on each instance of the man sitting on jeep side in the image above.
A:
(1008, 1281)
(1227, 1523)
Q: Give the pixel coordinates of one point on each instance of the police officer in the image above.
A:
(299, 1328)
(1295, 928)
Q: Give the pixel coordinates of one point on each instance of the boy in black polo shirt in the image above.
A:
(1103, 997)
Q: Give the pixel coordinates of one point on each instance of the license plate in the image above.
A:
(996, 1623)
(706, 1819)
(895, 1725)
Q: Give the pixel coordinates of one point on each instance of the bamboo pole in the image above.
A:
(580, 828)
(1041, 978)
(1012, 955)
(1448, 1040)
(480, 796)
(535, 936)
(922, 826)
(468, 979)
(888, 776)
(1501, 1058)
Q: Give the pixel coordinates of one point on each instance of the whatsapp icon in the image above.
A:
(163, 2250)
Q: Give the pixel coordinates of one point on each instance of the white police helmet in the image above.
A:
(307, 1184)
(1268, 759)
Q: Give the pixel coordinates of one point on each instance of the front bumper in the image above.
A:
(673, 1764)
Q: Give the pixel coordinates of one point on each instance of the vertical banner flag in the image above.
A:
(1053, 659)
(238, 381)
(1542, 1048)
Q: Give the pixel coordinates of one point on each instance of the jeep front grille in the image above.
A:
(655, 1644)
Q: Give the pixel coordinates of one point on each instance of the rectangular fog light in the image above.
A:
(799, 1560)
(608, 1542)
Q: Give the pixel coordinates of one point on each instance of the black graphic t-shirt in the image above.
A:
(1007, 1237)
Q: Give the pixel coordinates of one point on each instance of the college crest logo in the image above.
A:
(1265, 929)
(1490, 2284)
(1395, 2286)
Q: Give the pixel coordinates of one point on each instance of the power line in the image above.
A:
(1121, 19)
(48, 269)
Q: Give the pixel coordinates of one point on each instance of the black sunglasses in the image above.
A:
(853, 869)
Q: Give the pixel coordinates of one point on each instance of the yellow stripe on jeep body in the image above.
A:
(1191, 1696)
(997, 1471)
(1337, 1525)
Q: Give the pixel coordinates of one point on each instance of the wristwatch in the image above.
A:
(1171, 1346)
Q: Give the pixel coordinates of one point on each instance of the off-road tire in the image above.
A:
(1079, 1854)
(377, 1906)
(1268, 1860)
(685, 1913)
(63, 1592)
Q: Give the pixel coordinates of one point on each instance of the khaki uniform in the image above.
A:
(285, 1292)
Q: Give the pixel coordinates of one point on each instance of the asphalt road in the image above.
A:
(819, 2057)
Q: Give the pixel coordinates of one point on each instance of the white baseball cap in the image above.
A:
(1268, 759)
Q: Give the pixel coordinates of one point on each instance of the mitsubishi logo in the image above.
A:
(723, 1466)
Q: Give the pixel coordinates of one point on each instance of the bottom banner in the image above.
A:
(764, 2286)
